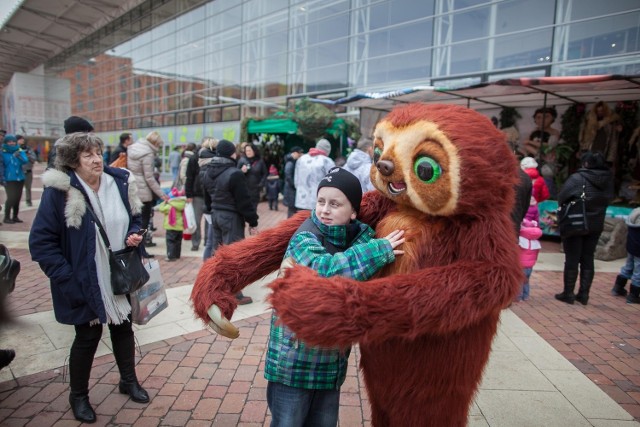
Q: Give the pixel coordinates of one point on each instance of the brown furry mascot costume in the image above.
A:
(426, 322)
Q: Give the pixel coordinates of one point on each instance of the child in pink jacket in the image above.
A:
(529, 249)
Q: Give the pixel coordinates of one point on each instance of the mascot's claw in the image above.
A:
(220, 324)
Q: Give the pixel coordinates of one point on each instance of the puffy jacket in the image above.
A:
(172, 210)
(140, 161)
(359, 163)
(227, 188)
(310, 169)
(540, 190)
(63, 241)
(598, 190)
(13, 158)
(529, 244)
(196, 169)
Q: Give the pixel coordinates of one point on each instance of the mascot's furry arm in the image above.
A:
(435, 300)
(237, 265)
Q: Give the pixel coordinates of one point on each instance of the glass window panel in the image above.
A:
(163, 44)
(326, 78)
(217, 24)
(163, 29)
(328, 29)
(197, 117)
(520, 50)
(320, 9)
(590, 8)
(396, 12)
(470, 25)
(461, 4)
(406, 66)
(190, 33)
(407, 37)
(604, 37)
(327, 54)
(140, 40)
(469, 57)
(509, 15)
(231, 113)
(213, 115)
(218, 6)
(254, 9)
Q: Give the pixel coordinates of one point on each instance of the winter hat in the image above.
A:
(77, 124)
(346, 182)
(296, 149)
(273, 170)
(324, 145)
(528, 163)
(225, 148)
(8, 137)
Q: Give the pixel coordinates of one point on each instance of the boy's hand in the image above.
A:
(396, 238)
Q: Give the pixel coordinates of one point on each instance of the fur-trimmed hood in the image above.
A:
(76, 205)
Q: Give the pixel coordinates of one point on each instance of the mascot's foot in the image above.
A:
(220, 324)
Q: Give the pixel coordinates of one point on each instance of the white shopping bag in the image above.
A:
(189, 218)
(151, 298)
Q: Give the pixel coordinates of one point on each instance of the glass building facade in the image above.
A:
(206, 68)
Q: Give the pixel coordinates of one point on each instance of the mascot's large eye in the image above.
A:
(427, 169)
(377, 152)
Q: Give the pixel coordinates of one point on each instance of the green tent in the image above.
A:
(272, 126)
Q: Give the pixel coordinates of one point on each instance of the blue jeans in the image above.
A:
(296, 407)
(631, 269)
(524, 294)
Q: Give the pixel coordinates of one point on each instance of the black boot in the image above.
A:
(80, 360)
(6, 357)
(124, 352)
(586, 278)
(634, 295)
(570, 277)
(618, 286)
(81, 407)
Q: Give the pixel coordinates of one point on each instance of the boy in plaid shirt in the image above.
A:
(304, 382)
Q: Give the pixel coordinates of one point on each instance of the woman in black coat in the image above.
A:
(579, 250)
(255, 170)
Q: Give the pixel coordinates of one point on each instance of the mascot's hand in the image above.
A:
(315, 308)
(221, 324)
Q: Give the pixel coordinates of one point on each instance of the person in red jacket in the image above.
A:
(540, 189)
(529, 249)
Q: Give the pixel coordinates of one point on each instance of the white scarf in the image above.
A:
(110, 210)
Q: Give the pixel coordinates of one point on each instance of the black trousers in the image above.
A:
(580, 251)
(14, 194)
(173, 239)
(84, 349)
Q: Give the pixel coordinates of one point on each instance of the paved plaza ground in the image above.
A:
(552, 364)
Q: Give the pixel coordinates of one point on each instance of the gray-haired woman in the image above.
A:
(65, 241)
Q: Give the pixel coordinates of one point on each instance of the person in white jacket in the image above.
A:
(310, 169)
(359, 163)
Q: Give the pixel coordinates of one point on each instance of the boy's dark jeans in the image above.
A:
(174, 243)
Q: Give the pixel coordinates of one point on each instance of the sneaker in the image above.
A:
(170, 259)
(150, 245)
(9, 221)
(29, 204)
(17, 220)
(632, 299)
(195, 248)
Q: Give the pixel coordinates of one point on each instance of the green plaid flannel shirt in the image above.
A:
(289, 360)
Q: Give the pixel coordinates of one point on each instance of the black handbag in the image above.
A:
(572, 217)
(127, 271)
(9, 269)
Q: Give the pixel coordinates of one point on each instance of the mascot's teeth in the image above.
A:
(397, 187)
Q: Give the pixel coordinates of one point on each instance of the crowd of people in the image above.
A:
(224, 183)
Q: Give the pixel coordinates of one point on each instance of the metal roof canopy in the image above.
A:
(41, 29)
(524, 92)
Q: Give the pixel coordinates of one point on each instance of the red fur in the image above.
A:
(426, 323)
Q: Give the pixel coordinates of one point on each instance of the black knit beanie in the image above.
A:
(225, 148)
(346, 182)
(77, 124)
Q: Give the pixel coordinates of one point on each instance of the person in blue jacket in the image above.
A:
(13, 157)
(66, 243)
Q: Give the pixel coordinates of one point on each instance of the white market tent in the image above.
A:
(523, 92)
